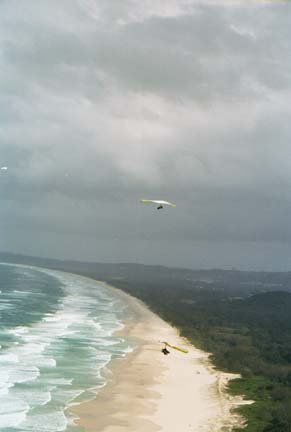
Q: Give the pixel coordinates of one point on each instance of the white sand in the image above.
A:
(149, 391)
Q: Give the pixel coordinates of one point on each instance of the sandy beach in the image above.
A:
(149, 391)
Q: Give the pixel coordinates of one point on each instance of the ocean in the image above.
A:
(57, 334)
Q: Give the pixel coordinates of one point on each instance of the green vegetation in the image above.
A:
(242, 318)
(250, 336)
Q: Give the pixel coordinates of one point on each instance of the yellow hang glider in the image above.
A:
(176, 348)
(160, 203)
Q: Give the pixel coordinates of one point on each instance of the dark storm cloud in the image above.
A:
(104, 103)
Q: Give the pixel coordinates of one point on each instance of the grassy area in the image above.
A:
(258, 415)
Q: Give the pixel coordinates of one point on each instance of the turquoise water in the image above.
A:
(56, 337)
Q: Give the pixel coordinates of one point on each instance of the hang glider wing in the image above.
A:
(176, 348)
(159, 202)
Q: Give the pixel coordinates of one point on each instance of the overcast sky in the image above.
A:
(104, 102)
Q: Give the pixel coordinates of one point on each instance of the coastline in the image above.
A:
(148, 391)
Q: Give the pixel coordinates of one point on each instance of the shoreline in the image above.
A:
(147, 391)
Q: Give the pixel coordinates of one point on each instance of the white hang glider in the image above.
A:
(160, 203)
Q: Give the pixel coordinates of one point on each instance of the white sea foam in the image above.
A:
(4, 387)
(47, 362)
(12, 420)
(23, 292)
(22, 374)
(18, 331)
(33, 396)
(33, 347)
(48, 422)
(60, 358)
(66, 396)
(8, 358)
(60, 381)
(12, 411)
(11, 405)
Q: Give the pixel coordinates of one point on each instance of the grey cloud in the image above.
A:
(103, 104)
(197, 55)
